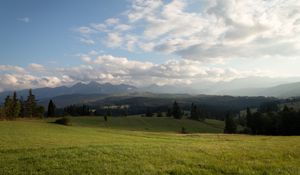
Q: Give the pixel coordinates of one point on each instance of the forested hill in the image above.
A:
(139, 103)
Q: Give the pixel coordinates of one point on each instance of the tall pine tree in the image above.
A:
(51, 109)
(8, 107)
(12, 107)
(193, 111)
(196, 113)
(177, 114)
(16, 107)
(30, 105)
(169, 112)
(22, 108)
(230, 125)
(249, 119)
(2, 113)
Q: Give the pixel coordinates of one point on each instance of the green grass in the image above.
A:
(40, 147)
(153, 124)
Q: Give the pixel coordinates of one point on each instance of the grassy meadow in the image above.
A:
(136, 145)
(152, 124)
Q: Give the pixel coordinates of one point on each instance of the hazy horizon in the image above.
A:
(198, 44)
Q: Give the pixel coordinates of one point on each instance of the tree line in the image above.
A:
(275, 122)
(77, 110)
(175, 111)
(195, 112)
(267, 120)
(14, 107)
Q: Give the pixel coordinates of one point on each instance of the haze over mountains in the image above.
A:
(79, 88)
(253, 86)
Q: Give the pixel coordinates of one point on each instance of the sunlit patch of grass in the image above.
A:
(41, 147)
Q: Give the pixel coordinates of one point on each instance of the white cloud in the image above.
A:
(143, 9)
(123, 70)
(112, 21)
(36, 67)
(218, 31)
(100, 27)
(87, 41)
(121, 63)
(114, 40)
(86, 58)
(9, 79)
(10, 68)
(122, 27)
(93, 52)
(20, 81)
(131, 41)
(85, 30)
(117, 70)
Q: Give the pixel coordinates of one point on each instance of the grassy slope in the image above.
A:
(161, 124)
(38, 147)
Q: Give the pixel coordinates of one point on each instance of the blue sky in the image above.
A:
(142, 42)
(48, 37)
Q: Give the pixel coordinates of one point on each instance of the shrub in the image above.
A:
(159, 114)
(183, 130)
(63, 121)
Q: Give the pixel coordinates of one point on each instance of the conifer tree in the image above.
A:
(230, 125)
(192, 113)
(16, 107)
(169, 112)
(51, 109)
(30, 105)
(196, 113)
(177, 114)
(159, 114)
(201, 114)
(249, 118)
(8, 107)
(2, 113)
(39, 112)
(125, 112)
(22, 108)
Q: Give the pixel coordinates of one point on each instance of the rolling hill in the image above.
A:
(280, 91)
(41, 147)
(284, 90)
(139, 101)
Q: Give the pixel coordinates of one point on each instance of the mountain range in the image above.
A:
(280, 91)
(79, 88)
(94, 91)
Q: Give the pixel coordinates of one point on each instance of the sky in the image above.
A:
(49, 43)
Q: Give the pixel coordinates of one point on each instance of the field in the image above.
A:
(156, 124)
(136, 145)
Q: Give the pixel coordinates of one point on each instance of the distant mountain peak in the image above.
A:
(108, 84)
(93, 83)
(78, 84)
(92, 87)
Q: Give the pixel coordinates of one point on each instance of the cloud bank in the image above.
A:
(116, 70)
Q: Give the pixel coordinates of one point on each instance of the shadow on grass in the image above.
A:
(63, 121)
